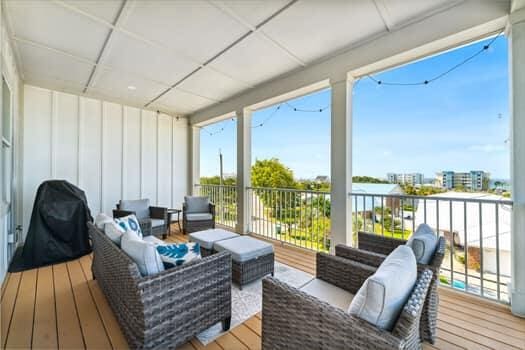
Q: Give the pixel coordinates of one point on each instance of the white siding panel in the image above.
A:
(164, 161)
(111, 151)
(180, 162)
(112, 155)
(37, 145)
(132, 153)
(65, 133)
(149, 156)
(90, 152)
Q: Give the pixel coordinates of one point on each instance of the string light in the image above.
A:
(441, 75)
(485, 48)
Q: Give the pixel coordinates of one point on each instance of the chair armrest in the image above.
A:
(292, 319)
(118, 213)
(378, 243)
(343, 273)
(189, 292)
(212, 209)
(359, 255)
(158, 213)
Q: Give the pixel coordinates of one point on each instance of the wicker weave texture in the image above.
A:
(373, 249)
(165, 310)
(246, 272)
(292, 319)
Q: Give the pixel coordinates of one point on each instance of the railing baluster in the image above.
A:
(382, 216)
(451, 231)
(497, 251)
(481, 248)
(465, 243)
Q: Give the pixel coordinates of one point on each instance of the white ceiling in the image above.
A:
(183, 56)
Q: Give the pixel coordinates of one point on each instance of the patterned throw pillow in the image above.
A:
(130, 223)
(178, 254)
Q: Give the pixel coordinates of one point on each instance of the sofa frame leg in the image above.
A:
(226, 324)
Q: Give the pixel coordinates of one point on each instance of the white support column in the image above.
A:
(517, 109)
(244, 164)
(341, 161)
(195, 150)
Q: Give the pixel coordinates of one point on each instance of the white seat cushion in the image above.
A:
(114, 231)
(244, 248)
(199, 216)
(101, 220)
(153, 240)
(157, 222)
(423, 242)
(383, 295)
(144, 254)
(207, 238)
(328, 293)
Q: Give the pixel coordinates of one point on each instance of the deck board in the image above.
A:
(67, 309)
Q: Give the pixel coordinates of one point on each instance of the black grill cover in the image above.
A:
(58, 229)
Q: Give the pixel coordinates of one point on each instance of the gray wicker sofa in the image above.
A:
(166, 310)
(293, 319)
(372, 251)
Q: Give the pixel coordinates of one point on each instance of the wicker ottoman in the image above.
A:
(207, 239)
(251, 258)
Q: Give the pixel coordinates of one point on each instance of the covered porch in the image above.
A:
(109, 99)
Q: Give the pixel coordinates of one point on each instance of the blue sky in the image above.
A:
(460, 122)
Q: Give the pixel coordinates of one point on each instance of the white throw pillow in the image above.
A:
(130, 223)
(101, 220)
(423, 242)
(114, 231)
(144, 254)
(383, 295)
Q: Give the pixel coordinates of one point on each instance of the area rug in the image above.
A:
(248, 301)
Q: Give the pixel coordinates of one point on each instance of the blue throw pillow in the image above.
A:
(179, 254)
(130, 223)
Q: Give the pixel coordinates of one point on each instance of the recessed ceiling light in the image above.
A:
(131, 87)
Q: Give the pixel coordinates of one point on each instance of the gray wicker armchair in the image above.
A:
(168, 309)
(152, 220)
(292, 319)
(198, 214)
(374, 248)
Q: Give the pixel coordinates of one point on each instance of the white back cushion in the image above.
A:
(101, 220)
(114, 231)
(144, 254)
(383, 295)
(424, 243)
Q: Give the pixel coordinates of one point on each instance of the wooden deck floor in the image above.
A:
(61, 306)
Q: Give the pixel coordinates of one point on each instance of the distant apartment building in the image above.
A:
(406, 179)
(475, 180)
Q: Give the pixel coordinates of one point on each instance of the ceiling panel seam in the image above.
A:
(116, 22)
(230, 46)
(138, 37)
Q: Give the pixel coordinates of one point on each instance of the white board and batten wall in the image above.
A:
(111, 151)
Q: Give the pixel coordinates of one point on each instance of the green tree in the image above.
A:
(272, 173)
(368, 179)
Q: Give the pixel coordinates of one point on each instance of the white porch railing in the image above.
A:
(297, 217)
(477, 233)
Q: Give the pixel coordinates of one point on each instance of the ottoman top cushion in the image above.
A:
(207, 238)
(244, 248)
